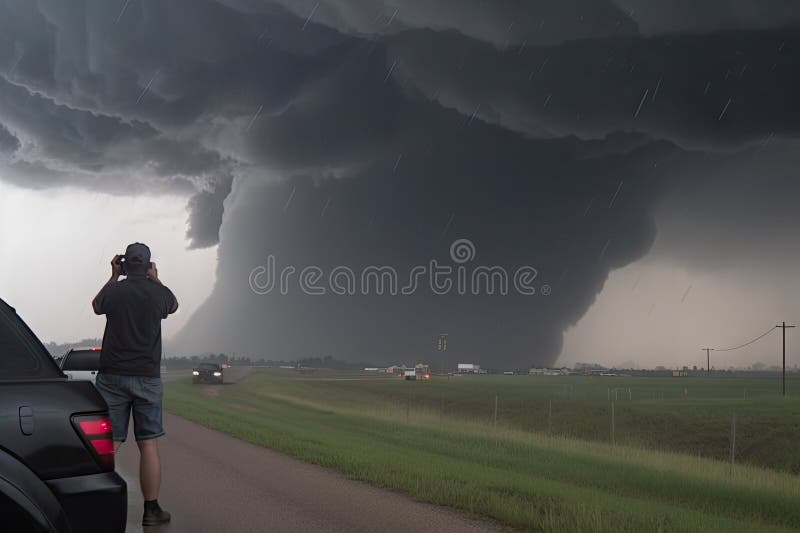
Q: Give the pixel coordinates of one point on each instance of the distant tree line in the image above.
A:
(222, 358)
(330, 362)
(58, 349)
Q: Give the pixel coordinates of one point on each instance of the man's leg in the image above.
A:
(114, 391)
(149, 469)
(148, 427)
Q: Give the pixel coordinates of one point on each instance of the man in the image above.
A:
(130, 363)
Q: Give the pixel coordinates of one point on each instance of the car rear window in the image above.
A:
(81, 360)
(22, 356)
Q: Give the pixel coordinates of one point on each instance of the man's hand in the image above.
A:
(116, 272)
(152, 273)
(116, 268)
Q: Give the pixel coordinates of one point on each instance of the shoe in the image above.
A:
(155, 516)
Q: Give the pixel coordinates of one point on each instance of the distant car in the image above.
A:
(81, 364)
(414, 374)
(207, 373)
(56, 453)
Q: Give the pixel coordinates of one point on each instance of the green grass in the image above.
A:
(691, 416)
(438, 442)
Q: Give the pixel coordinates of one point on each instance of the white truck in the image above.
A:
(81, 364)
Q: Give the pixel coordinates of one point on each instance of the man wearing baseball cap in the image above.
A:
(130, 362)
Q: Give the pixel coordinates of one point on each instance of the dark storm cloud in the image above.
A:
(169, 64)
(544, 203)
(205, 213)
(700, 90)
(363, 133)
(734, 210)
(8, 141)
(159, 91)
(500, 23)
(350, 114)
(368, 156)
(702, 16)
(63, 145)
(67, 136)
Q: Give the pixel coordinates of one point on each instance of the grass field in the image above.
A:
(547, 463)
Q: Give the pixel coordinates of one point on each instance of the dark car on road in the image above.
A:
(56, 453)
(207, 373)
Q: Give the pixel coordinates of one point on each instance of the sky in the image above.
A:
(605, 181)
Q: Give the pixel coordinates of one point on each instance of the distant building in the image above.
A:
(468, 368)
(420, 368)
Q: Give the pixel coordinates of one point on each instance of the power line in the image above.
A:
(783, 326)
(770, 330)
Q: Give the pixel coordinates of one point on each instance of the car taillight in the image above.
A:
(99, 426)
(96, 433)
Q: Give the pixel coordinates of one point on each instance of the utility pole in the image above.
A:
(783, 327)
(441, 346)
(708, 359)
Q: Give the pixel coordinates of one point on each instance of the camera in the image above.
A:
(121, 263)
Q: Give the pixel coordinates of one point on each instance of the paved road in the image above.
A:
(215, 483)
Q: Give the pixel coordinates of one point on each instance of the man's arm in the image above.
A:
(152, 273)
(116, 272)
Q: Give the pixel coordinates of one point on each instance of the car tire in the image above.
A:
(14, 518)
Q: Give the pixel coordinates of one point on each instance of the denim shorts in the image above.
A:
(142, 395)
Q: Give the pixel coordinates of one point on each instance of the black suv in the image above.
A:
(56, 453)
(207, 373)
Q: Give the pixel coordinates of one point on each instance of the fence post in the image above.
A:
(495, 410)
(733, 440)
(613, 426)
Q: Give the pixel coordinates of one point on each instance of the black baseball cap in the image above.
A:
(137, 253)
